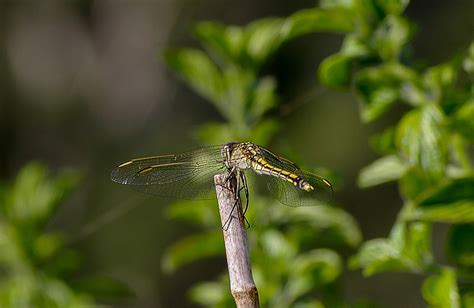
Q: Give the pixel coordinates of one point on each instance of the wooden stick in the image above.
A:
(242, 285)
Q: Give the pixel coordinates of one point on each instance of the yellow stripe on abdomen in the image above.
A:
(261, 166)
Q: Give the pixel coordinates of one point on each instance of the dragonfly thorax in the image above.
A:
(239, 155)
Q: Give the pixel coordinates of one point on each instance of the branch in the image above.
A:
(242, 285)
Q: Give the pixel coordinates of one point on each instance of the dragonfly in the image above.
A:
(189, 175)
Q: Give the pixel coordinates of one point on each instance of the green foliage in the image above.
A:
(292, 250)
(441, 290)
(428, 152)
(36, 265)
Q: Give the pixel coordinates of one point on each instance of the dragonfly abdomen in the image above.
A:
(263, 167)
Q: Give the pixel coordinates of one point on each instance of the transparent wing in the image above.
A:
(289, 194)
(189, 175)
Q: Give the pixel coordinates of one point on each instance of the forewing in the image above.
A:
(188, 175)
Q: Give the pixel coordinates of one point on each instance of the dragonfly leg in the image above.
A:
(245, 187)
(237, 198)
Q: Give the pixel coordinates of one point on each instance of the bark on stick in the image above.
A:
(242, 285)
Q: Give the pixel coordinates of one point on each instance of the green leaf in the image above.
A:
(318, 20)
(312, 269)
(463, 121)
(414, 182)
(451, 202)
(395, 7)
(264, 98)
(192, 248)
(416, 246)
(385, 169)
(460, 245)
(391, 36)
(378, 88)
(329, 4)
(335, 71)
(441, 290)
(199, 72)
(227, 41)
(384, 143)
(322, 265)
(264, 36)
(34, 197)
(452, 191)
(336, 225)
(376, 256)
(276, 245)
(421, 139)
(438, 78)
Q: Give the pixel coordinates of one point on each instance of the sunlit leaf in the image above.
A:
(192, 248)
(264, 97)
(336, 224)
(318, 20)
(199, 71)
(390, 37)
(421, 139)
(441, 290)
(439, 77)
(264, 36)
(227, 41)
(323, 266)
(335, 71)
(395, 7)
(376, 256)
(385, 169)
(312, 269)
(414, 182)
(34, 197)
(378, 88)
(327, 4)
(416, 246)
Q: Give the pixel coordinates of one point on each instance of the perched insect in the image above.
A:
(189, 175)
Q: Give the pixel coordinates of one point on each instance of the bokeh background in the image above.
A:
(82, 85)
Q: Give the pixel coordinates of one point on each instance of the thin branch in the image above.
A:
(242, 285)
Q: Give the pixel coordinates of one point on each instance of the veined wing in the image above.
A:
(287, 193)
(189, 175)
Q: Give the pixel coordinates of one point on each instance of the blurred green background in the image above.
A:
(82, 85)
